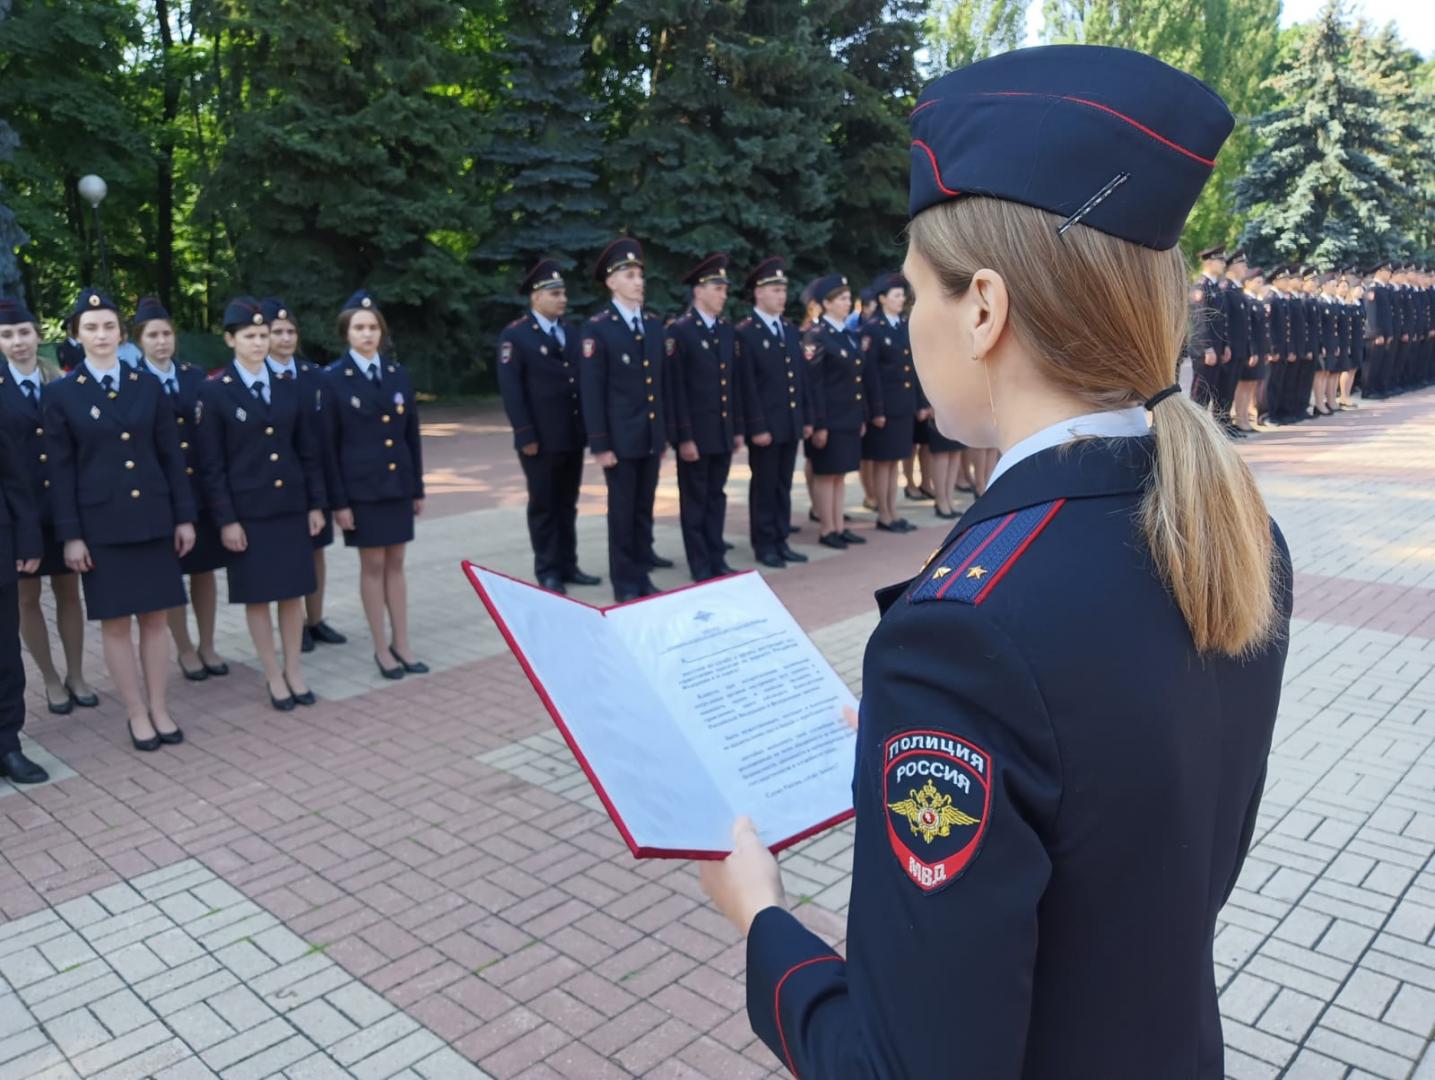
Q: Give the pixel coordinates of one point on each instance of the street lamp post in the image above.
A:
(93, 190)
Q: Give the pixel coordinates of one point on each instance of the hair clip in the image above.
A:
(1093, 202)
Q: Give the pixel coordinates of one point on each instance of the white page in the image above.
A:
(758, 703)
(661, 791)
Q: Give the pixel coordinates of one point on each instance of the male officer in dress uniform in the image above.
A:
(21, 545)
(621, 378)
(1287, 367)
(704, 414)
(538, 364)
(775, 410)
(1210, 345)
(1382, 320)
(1238, 327)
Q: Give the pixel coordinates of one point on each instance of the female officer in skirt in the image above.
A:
(153, 331)
(23, 386)
(1043, 838)
(286, 363)
(123, 508)
(380, 480)
(840, 407)
(947, 463)
(890, 436)
(263, 483)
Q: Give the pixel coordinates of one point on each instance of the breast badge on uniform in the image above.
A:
(241, 415)
(94, 412)
(354, 401)
(866, 343)
(937, 790)
(809, 351)
(671, 346)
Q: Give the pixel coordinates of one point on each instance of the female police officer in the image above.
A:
(1045, 830)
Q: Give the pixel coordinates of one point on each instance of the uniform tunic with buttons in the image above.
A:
(118, 483)
(538, 378)
(375, 432)
(208, 553)
(772, 380)
(23, 419)
(1038, 865)
(261, 469)
(314, 392)
(887, 349)
(704, 408)
(841, 401)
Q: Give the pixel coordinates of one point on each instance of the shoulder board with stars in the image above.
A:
(969, 569)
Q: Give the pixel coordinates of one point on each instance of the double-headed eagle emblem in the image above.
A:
(931, 814)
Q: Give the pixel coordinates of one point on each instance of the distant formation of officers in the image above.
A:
(1292, 343)
(628, 386)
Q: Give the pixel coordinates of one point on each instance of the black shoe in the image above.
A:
(306, 643)
(170, 738)
(657, 562)
(648, 589)
(790, 555)
(554, 584)
(324, 634)
(306, 698)
(812, 515)
(774, 561)
(946, 515)
(722, 570)
(898, 526)
(851, 537)
(794, 528)
(64, 708)
(146, 745)
(21, 770)
(833, 540)
(284, 704)
(217, 670)
(89, 701)
(411, 667)
(389, 672)
(625, 597)
(577, 577)
(726, 546)
(199, 674)
(846, 518)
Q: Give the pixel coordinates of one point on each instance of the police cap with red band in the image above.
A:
(1108, 138)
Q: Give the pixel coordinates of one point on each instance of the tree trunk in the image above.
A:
(164, 193)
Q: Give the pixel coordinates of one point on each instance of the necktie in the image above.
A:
(286, 374)
(108, 382)
(170, 387)
(32, 392)
(374, 374)
(637, 325)
(777, 331)
(257, 389)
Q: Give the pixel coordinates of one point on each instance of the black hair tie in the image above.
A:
(1161, 395)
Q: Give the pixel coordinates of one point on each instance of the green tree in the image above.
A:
(12, 237)
(348, 164)
(1320, 186)
(960, 32)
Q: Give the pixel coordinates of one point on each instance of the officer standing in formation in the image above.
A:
(1010, 760)
(703, 414)
(623, 400)
(890, 437)
(538, 370)
(776, 410)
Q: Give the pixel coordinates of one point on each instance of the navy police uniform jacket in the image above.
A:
(704, 406)
(184, 402)
(773, 377)
(23, 421)
(841, 390)
(622, 385)
(116, 469)
(20, 535)
(316, 393)
(375, 434)
(1238, 322)
(888, 352)
(1209, 316)
(538, 379)
(1329, 327)
(259, 460)
(1042, 840)
(1295, 316)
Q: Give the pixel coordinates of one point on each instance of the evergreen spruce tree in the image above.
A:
(1391, 69)
(1320, 187)
(540, 155)
(347, 168)
(12, 237)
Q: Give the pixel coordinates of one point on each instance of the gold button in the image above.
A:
(135, 494)
(47, 483)
(44, 457)
(129, 464)
(189, 470)
(907, 367)
(724, 397)
(124, 436)
(393, 467)
(651, 398)
(652, 416)
(39, 431)
(278, 483)
(269, 431)
(273, 457)
(724, 414)
(792, 404)
(859, 397)
(722, 382)
(649, 380)
(791, 376)
(859, 363)
(646, 364)
(388, 442)
(906, 386)
(184, 446)
(792, 391)
(180, 419)
(385, 418)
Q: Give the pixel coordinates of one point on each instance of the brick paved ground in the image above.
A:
(413, 880)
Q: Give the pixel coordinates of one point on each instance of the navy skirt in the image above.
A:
(891, 442)
(922, 432)
(132, 579)
(52, 558)
(379, 524)
(842, 454)
(208, 553)
(276, 564)
(1252, 372)
(325, 536)
(940, 444)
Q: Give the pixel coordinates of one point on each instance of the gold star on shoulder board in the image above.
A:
(941, 571)
(976, 573)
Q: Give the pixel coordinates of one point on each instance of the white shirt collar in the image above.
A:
(247, 378)
(629, 314)
(709, 323)
(162, 376)
(543, 324)
(365, 366)
(895, 324)
(1116, 424)
(118, 372)
(839, 327)
(33, 377)
(292, 367)
(772, 322)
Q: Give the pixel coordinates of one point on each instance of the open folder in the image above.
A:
(688, 709)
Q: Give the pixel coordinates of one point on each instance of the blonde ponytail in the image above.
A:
(1113, 343)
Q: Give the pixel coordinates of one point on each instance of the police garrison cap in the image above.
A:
(545, 274)
(148, 309)
(243, 311)
(13, 311)
(1105, 137)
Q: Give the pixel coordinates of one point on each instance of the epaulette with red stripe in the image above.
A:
(969, 570)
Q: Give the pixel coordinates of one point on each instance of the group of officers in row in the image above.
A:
(133, 475)
(1293, 342)
(628, 385)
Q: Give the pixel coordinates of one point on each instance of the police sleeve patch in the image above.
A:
(671, 346)
(938, 794)
(505, 352)
(589, 348)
